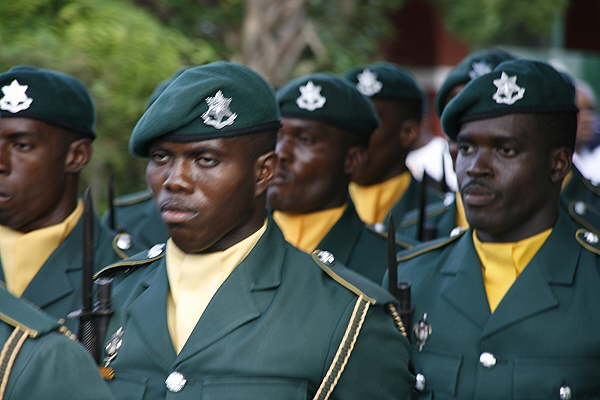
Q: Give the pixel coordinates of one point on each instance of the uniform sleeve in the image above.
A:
(56, 368)
(378, 366)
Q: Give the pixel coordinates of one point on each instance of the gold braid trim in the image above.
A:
(344, 350)
(396, 317)
(8, 355)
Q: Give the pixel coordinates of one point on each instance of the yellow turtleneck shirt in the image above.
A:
(24, 254)
(193, 281)
(305, 231)
(503, 262)
(374, 202)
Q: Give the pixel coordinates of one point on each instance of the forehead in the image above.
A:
(520, 127)
(234, 145)
(23, 125)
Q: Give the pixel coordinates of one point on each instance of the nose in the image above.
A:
(178, 177)
(480, 164)
(284, 149)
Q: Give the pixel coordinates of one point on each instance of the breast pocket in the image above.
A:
(542, 378)
(253, 388)
(440, 372)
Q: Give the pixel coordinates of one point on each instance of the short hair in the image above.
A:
(410, 110)
(262, 142)
(559, 127)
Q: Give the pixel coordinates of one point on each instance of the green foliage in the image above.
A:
(485, 22)
(117, 49)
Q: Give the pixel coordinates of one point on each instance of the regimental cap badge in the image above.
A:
(310, 97)
(15, 99)
(508, 91)
(218, 114)
(368, 83)
(479, 68)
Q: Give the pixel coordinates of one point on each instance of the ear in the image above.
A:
(78, 155)
(560, 163)
(355, 157)
(409, 133)
(264, 171)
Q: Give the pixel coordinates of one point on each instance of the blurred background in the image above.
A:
(121, 49)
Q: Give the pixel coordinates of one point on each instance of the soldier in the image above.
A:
(227, 308)
(46, 133)
(383, 182)
(40, 358)
(327, 123)
(508, 309)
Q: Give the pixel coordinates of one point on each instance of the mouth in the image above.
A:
(477, 195)
(281, 177)
(4, 197)
(173, 213)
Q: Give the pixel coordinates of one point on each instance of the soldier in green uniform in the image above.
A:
(383, 184)
(508, 309)
(227, 309)
(46, 133)
(40, 358)
(327, 123)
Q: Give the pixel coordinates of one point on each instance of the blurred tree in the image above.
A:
(486, 22)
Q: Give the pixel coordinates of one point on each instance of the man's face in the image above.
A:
(387, 145)
(504, 175)
(206, 191)
(32, 173)
(586, 118)
(310, 173)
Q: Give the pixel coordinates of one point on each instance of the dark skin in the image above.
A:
(211, 193)
(39, 173)
(388, 146)
(509, 177)
(315, 163)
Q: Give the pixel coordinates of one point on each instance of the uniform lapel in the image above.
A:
(531, 293)
(463, 287)
(342, 237)
(148, 315)
(235, 303)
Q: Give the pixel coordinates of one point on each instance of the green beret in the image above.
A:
(471, 67)
(163, 85)
(216, 100)
(329, 99)
(517, 86)
(48, 96)
(385, 81)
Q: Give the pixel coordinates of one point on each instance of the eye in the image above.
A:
(465, 148)
(159, 157)
(306, 138)
(22, 146)
(507, 151)
(207, 161)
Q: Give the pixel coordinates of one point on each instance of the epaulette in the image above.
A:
(133, 198)
(589, 240)
(402, 242)
(432, 210)
(145, 257)
(357, 284)
(585, 215)
(429, 246)
(28, 318)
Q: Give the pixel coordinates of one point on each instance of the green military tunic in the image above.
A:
(271, 331)
(358, 246)
(56, 288)
(542, 339)
(410, 201)
(440, 219)
(137, 215)
(46, 362)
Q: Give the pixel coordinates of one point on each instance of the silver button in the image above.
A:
(579, 207)
(124, 241)
(564, 393)
(591, 237)
(487, 360)
(456, 231)
(175, 381)
(449, 199)
(326, 257)
(420, 382)
(156, 250)
(379, 227)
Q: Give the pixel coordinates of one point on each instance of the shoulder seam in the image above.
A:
(399, 242)
(121, 264)
(433, 246)
(134, 200)
(341, 280)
